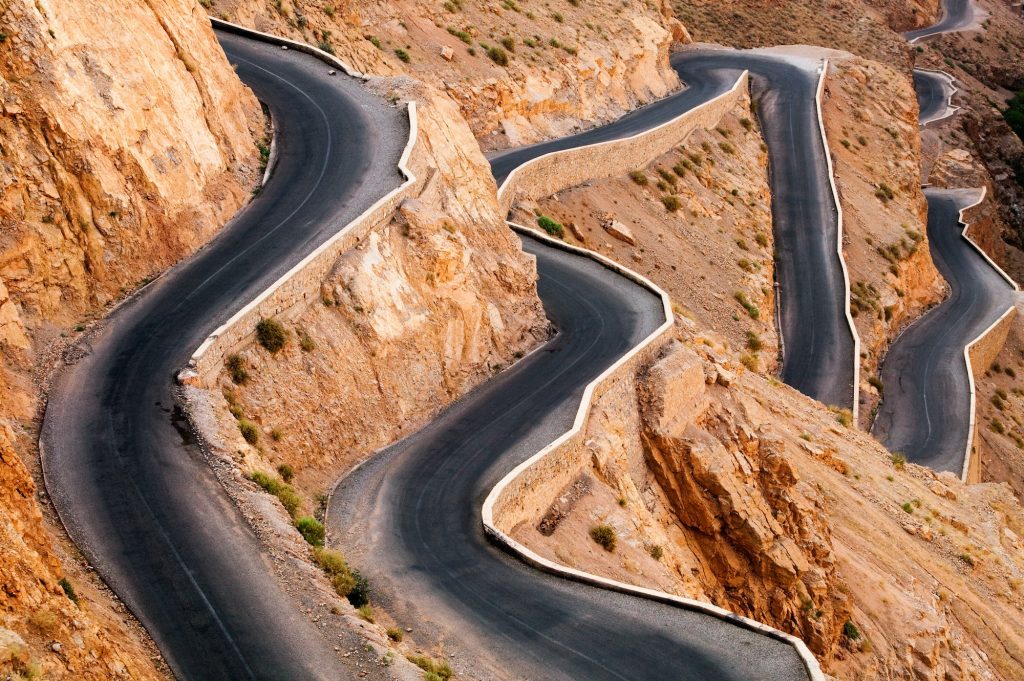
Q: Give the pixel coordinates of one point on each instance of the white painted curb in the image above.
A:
(951, 108)
(839, 243)
(972, 419)
(341, 233)
(528, 556)
(509, 184)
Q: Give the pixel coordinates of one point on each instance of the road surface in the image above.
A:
(134, 493)
(410, 519)
(819, 347)
(924, 412)
(934, 95)
(957, 15)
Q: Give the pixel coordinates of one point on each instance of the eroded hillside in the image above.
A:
(520, 72)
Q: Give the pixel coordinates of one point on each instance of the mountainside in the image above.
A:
(126, 141)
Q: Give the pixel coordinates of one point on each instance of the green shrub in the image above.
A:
(884, 193)
(671, 202)
(285, 471)
(656, 552)
(727, 147)
(498, 55)
(747, 124)
(271, 334)
(329, 10)
(403, 55)
(375, 41)
(69, 590)
(461, 35)
(754, 343)
(851, 631)
(1014, 114)
(605, 536)
(751, 309)
(432, 670)
(552, 227)
(395, 634)
(268, 483)
(844, 416)
(250, 431)
(762, 239)
(311, 529)
(360, 593)
(289, 498)
(237, 369)
(638, 177)
(907, 507)
(508, 43)
(899, 460)
(337, 570)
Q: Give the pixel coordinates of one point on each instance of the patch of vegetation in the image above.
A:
(876, 383)
(311, 529)
(237, 369)
(907, 507)
(271, 334)
(375, 41)
(843, 416)
(552, 227)
(671, 202)
(727, 147)
(638, 177)
(250, 431)
(899, 460)
(754, 343)
(498, 55)
(285, 471)
(997, 427)
(306, 341)
(1014, 114)
(509, 43)
(329, 10)
(747, 124)
(432, 670)
(656, 552)
(751, 309)
(395, 634)
(884, 193)
(851, 631)
(403, 55)
(605, 536)
(461, 35)
(337, 570)
(366, 612)
(69, 590)
(750, 361)
(284, 492)
(762, 239)
(360, 593)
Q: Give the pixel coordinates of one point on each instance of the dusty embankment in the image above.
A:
(119, 157)
(697, 221)
(519, 72)
(722, 485)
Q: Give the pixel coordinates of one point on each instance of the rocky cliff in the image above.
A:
(519, 72)
(408, 321)
(724, 486)
(126, 141)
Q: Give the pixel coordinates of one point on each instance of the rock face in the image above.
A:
(127, 142)
(519, 73)
(410, 319)
(724, 486)
(756, 532)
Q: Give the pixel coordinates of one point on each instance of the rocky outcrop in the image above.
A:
(756, 532)
(51, 627)
(407, 321)
(127, 142)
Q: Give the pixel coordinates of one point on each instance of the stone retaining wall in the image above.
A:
(296, 289)
(979, 356)
(558, 170)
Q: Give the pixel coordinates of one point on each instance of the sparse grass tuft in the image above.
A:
(403, 55)
(237, 369)
(395, 634)
(638, 177)
(671, 202)
(69, 590)
(311, 529)
(432, 669)
(605, 536)
(899, 460)
(250, 431)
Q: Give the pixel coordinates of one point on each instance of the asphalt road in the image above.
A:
(135, 494)
(410, 520)
(924, 377)
(819, 354)
(934, 92)
(956, 16)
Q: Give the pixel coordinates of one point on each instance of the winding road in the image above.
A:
(134, 492)
(957, 15)
(819, 347)
(927, 390)
(926, 409)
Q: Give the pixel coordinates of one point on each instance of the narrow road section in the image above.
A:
(934, 91)
(410, 519)
(957, 15)
(132, 489)
(925, 408)
(819, 346)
